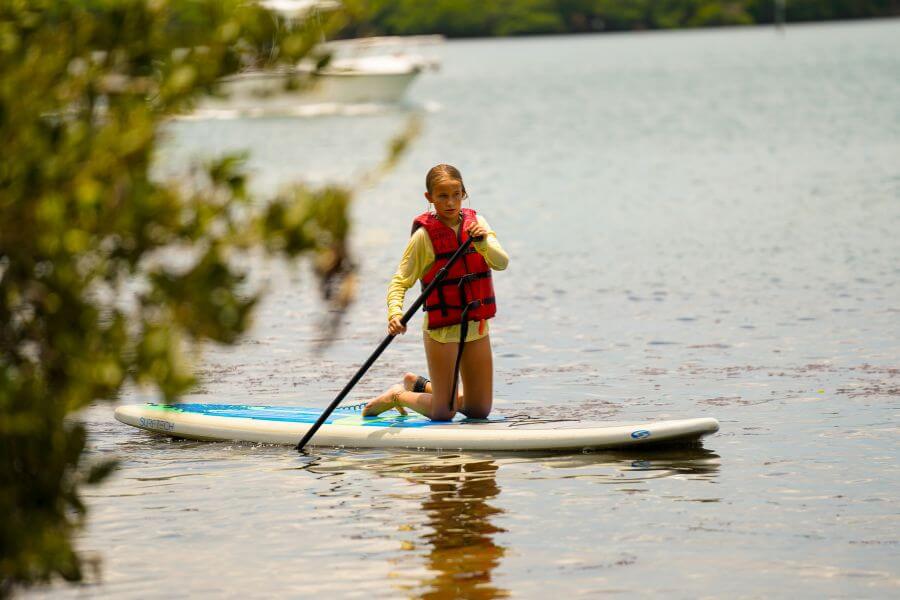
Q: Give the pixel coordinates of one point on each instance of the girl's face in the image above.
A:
(447, 197)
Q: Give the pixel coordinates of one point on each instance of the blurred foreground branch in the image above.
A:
(85, 304)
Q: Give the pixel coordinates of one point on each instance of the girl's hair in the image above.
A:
(441, 172)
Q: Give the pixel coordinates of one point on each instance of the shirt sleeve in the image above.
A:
(417, 258)
(490, 248)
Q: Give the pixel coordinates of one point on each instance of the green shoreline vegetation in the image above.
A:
(490, 18)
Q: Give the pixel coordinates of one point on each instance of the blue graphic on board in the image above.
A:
(640, 434)
(293, 414)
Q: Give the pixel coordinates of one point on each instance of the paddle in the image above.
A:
(384, 343)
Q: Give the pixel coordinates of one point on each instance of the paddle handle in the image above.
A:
(384, 343)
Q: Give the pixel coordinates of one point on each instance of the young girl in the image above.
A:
(436, 235)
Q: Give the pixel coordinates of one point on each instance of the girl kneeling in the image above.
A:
(460, 305)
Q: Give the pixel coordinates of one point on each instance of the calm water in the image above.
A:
(700, 223)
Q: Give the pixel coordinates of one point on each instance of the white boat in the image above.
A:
(362, 79)
(376, 70)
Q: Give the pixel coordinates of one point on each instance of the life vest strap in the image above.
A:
(430, 307)
(443, 255)
(466, 277)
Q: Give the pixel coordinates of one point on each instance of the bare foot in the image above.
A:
(384, 402)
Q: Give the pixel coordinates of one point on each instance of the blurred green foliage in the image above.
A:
(475, 18)
(91, 298)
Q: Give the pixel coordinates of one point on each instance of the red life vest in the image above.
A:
(447, 300)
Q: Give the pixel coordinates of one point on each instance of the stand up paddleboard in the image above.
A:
(287, 424)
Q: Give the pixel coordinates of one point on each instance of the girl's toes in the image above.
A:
(376, 406)
(386, 401)
(372, 409)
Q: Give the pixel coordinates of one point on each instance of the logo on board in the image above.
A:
(158, 424)
(640, 434)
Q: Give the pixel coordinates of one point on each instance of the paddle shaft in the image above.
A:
(384, 344)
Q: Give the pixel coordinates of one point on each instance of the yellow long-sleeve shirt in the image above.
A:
(418, 259)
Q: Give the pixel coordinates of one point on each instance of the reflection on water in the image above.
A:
(458, 544)
(612, 467)
(325, 109)
(699, 223)
(462, 553)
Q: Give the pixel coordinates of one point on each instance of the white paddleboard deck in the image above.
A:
(287, 424)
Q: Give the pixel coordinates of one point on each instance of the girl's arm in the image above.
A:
(490, 248)
(418, 256)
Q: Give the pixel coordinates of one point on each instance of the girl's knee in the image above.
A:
(441, 407)
(442, 414)
(477, 413)
(478, 405)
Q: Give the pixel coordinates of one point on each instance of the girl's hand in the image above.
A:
(396, 327)
(477, 230)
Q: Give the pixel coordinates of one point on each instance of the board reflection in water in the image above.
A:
(454, 543)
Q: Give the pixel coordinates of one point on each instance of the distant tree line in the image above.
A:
(482, 18)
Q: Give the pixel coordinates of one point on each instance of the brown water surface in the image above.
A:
(699, 223)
